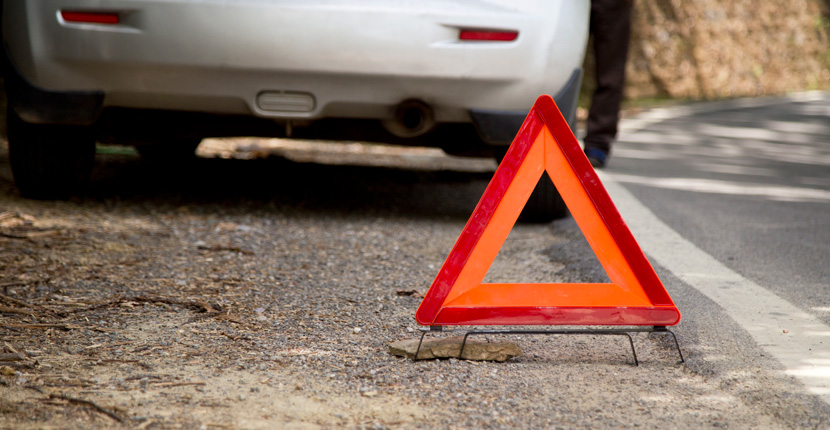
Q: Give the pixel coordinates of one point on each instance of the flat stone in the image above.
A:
(450, 347)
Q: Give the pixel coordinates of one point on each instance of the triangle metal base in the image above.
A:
(588, 331)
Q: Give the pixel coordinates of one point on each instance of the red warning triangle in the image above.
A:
(635, 295)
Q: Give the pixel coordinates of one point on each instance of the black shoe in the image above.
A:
(597, 157)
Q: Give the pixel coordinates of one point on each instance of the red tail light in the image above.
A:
(90, 17)
(489, 35)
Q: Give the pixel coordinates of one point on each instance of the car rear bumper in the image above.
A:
(263, 58)
(497, 127)
(37, 105)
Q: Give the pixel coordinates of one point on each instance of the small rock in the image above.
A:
(371, 393)
(450, 347)
(357, 330)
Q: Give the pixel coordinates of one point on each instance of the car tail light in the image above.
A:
(90, 17)
(489, 35)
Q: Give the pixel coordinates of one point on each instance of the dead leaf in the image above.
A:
(412, 293)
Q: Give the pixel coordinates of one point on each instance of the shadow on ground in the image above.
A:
(277, 184)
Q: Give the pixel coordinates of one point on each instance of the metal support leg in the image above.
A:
(417, 351)
(424, 333)
(633, 351)
(663, 329)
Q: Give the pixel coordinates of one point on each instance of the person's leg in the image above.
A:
(611, 30)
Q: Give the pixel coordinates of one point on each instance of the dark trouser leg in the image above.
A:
(611, 30)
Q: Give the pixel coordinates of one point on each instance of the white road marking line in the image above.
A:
(713, 186)
(797, 339)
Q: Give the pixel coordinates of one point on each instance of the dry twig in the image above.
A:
(16, 236)
(136, 362)
(161, 384)
(12, 357)
(91, 404)
(44, 326)
(220, 248)
(195, 305)
(35, 388)
(12, 300)
(206, 305)
(8, 310)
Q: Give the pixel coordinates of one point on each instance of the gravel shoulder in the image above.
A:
(259, 288)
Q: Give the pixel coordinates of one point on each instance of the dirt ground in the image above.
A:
(156, 313)
(108, 318)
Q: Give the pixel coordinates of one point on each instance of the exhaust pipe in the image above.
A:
(412, 118)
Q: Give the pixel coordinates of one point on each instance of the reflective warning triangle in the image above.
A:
(635, 295)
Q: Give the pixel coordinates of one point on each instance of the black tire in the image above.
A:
(169, 151)
(49, 162)
(545, 203)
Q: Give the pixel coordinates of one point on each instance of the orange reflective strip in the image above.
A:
(560, 295)
(589, 220)
(504, 217)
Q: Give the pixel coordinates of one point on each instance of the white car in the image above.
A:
(163, 74)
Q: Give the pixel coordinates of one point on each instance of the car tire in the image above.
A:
(49, 162)
(170, 151)
(545, 203)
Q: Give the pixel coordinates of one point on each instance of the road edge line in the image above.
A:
(798, 340)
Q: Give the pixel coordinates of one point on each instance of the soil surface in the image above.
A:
(260, 285)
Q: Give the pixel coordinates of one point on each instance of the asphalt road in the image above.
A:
(745, 185)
